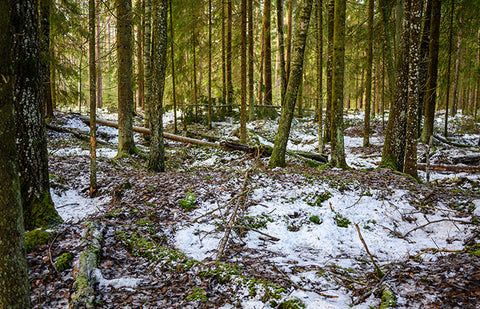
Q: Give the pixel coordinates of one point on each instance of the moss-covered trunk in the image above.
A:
(126, 144)
(14, 286)
(30, 119)
(296, 74)
(156, 160)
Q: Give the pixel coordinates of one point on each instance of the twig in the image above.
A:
(377, 269)
(218, 208)
(436, 221)
(372, 291)
(302, 288)
(50, 252)
(435, 250)
(427, 170)
(273, 238)
(233, 217)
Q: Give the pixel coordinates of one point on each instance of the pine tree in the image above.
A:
(93, 96)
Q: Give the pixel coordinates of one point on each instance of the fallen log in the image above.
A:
(449, 168)
(447, 141)
(76, 133)
(473, 159)
(262, 150)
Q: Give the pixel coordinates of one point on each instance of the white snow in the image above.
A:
(73, 207)
(124, 282)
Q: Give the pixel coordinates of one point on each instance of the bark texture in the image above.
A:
(30, 119)
(14, 286)
(243, 60)
(93, 96)
(156, 160)
(296, 75)
(126, 144)
(368, 78)
(337, 144)
(328, 113)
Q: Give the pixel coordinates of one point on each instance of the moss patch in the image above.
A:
(41, 213)
(64, 261)
(35, 238)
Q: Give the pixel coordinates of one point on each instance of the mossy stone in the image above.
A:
(35, 238)
(63, 261)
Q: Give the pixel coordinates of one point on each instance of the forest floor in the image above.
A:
(304, 236)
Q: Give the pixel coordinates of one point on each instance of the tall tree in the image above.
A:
(194, 63)
(172, 55)
(268, 52)
(209, 63)
(328, 114)
(449, 66)
(457, 74)
(140, 67)
(93, 96)
(98, 55)
(281, 48)
(288, 47)
(37, 203)
(296, 75)
(148, 59)
(431, 92)
(337, 144)
(319, 58)
(411, 134)
(477, 101)
(251, 60)
(15, 291)
(229, 55)
(126, 144)
(156, 160)
(368, 79)
(243, 60)
(394, 147)
(423, 65)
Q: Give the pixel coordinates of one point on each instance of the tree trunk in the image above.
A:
(140, 68)
(431, 93)
(386, 9)
(449, 66)
(209, 115)
(280, 146)
(229, 55)
(411, 140)
(98, 46)
(156, 161)
(93, 96)
(457, 74)
(37, 203)
(172, 55)
(477, 100)
(423, 65)
(243, 60)
(338, 75)
(15, 291)
(126, 144)
(194, 50)
(268, 53)
(251, 95)
(281, 48)
(45, 8)
(261, 67)
(394, 147)
(148, 60)
(328, 115)
(288, 47)
(368, 79)
(224, 52)
(319, 32)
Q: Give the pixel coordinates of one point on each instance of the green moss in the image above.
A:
(316, 199)
(292, 304)
(388, 299)
(63, 261)
(341, 220)
(188, 203)
(256, 222)
(315, 219)
(197, 294)
(41, 213)
(35, 238)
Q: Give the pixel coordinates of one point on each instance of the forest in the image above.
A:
(239, 154)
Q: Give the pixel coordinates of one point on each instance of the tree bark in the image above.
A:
(319, 58)
(280, 146)
(37, 203)
(229, 55)
(98, 55)
(148, 59)
(288, 47)
(209, 120)
(328, 113)
(45, 7)
(268, 53)
(251, 95)
(394, 147)
(281, 48)
(172, 55)
(126, 144)
(423, 65)
(411, 140)
(457, 74)
(449, 67)
(431, 93)
(93, 97)
(243, 60)
(15, 288)
(140, 68)
(368, 79)
(156, 161)
(338, 65)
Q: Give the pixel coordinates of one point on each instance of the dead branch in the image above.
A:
(233, 217)
(449, 142)
(378, 271)
(78, 134)
(449, 168)
(272, 238)
(435, 221)
(435, 250)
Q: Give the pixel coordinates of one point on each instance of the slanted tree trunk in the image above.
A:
(243, 60)
(15, 291)
(156, 161)
(431, 93)
(126, 144)
(411, 140)
(93, 96)
(296, 75)
(394, 147)
(368, 79)
(328, 112)
(319, 32)
(37, 203)
(338, 65)
(281, 48)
